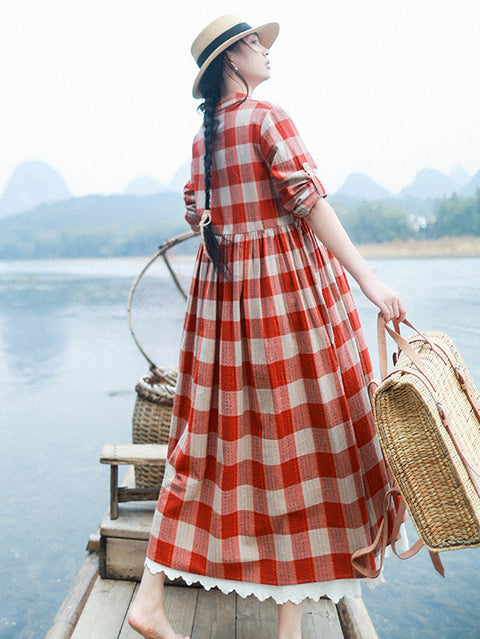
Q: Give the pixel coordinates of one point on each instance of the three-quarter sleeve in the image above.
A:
(292, 168)
(191, 209)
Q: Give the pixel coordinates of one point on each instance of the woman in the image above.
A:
(274, 475)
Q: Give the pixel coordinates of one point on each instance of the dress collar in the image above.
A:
(230, 100)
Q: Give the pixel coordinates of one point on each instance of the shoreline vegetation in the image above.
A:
(121, 226)
(440, 247)
(397, 249)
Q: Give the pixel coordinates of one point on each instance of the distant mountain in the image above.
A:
(460, 177)
(180, 178)
(147, 185)
(144, 185)
(136, 223)
(95, 225)
(99, 211)
(31, 184)
(470, 189)
(430, 183)
(360, 187)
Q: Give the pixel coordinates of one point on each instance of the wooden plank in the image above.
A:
(124, 558)
(210, 614)
(320, 619)
(93, 544)
(355, 620)
(127, 632)
(256, 618)
(215, 615)
(138, 454)
(114, 492)
(134, 521)
(181, 605)
(137, 494)
(129, 477)
(105, 611)
(73, 604)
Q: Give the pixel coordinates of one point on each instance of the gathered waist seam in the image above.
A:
(268, 230)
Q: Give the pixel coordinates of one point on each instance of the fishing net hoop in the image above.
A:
(161, 253)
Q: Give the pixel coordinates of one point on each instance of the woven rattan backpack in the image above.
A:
(427, 414)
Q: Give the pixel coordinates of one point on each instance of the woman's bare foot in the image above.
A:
(146, 615)
(152, 626)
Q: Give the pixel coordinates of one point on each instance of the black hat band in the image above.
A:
(222, 38)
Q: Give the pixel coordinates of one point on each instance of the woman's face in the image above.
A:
(250, 58)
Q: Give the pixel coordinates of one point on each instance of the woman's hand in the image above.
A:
(390, 304)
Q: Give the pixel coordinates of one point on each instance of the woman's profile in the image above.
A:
(274, 473)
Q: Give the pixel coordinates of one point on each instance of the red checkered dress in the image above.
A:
(274, 474)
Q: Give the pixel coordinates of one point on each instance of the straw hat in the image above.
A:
(219, 35)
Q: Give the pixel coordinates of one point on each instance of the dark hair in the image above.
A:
(211, 86)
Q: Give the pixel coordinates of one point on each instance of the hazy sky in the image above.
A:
(101, 89)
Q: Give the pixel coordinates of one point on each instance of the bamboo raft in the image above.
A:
(97, 604)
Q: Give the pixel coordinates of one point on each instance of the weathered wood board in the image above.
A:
(104, 614)
(123, 542)
(320, 619)
(122, 558)
(200, 613)
(144, 454)
(134, 521)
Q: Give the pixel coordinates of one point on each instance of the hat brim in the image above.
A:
(267, 34)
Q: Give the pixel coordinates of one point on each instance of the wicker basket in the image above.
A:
(428, 429)
(151, 420)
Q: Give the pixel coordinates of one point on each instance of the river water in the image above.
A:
(68, 367)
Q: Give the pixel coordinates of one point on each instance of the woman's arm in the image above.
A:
(327, 227)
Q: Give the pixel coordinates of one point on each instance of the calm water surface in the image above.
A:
(69, 366)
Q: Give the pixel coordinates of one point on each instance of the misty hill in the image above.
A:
(136, 223)
(470, 189)
(90, 211)
(95, 225)
(361, 187)
(31, 184)
(460, 177)
(430, 183)
(180, 178)
(146, 185)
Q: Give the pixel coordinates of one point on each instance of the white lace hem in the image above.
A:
(334, 590)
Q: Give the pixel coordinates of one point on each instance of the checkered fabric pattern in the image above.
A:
(274, 472)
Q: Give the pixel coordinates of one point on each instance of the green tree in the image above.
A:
(372, 222)
(455, 216)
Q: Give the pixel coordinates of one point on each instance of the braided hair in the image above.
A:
(211, 86)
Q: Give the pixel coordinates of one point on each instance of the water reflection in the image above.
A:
(39, 313)
(33, 333)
